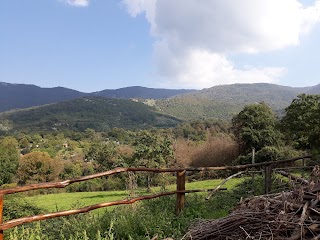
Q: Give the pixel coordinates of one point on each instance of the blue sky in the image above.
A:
(90, 45)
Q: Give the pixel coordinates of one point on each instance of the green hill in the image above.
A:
(225, 101)
(88, 112)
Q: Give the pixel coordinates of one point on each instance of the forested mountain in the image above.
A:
(88, 112)
(14, 96)
(141, 92)
(24, 95)
(224, 101)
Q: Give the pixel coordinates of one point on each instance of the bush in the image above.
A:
(268, 153)
(215, 152)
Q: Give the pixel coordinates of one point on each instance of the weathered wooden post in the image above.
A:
(181, 186)
(253, 162)
(1, 215)
(267, 179)
(253, 155)
(303, 165)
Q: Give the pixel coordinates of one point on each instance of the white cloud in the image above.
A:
(202, 68)
(78, 3)
(194, 38)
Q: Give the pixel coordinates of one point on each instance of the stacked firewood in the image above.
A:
(288, 215)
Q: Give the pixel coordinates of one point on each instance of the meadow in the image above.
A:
(64, 201)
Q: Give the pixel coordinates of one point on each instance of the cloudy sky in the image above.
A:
(91, 45)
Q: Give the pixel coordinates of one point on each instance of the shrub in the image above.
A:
(215, 152)
(38, 167)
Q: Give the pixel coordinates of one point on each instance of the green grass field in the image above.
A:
(64, 201)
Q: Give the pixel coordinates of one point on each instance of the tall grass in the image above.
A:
(139, 221)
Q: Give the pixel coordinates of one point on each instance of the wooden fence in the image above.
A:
(180, 190)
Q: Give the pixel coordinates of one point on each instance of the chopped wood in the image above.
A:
(295, 178)
(291, 215)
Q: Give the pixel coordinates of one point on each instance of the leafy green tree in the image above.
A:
(8, 159)
(120, 134)
(152, 151)
(255, 127)
(104, 154)
(301, 124)
(38, 167)
(71, 169)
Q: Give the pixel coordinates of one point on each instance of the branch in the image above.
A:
(223, 182)
(298, 179)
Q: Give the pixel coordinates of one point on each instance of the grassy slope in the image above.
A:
(63, 201)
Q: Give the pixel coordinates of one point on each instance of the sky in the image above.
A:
(91, 45)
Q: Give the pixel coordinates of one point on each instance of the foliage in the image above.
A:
(152, 150)
(120, 135)
(301, 123)
(17, 207)
(8, 159)
(37, 167)
(200, 130)
(255, 127)
(270, 153)
(103, 154)
(140, 221)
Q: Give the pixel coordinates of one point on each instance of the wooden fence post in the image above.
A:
(267, 179)
(252, 178)
(1, 215)
(181, 185)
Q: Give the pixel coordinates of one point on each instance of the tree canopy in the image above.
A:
(254, 127)
(301, 124)
(8, 159)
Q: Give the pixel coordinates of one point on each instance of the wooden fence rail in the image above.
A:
(180, 192)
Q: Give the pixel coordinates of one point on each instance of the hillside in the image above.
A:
(88, 112)
(141, 92)
(224, 101)
(314, 90)
(24, 95)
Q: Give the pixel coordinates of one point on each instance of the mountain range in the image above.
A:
(35, 108)
(14, 96)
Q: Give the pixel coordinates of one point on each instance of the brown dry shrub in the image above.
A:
(214, 152)
(183, 150)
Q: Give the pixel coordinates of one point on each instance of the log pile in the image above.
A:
(288, 215)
